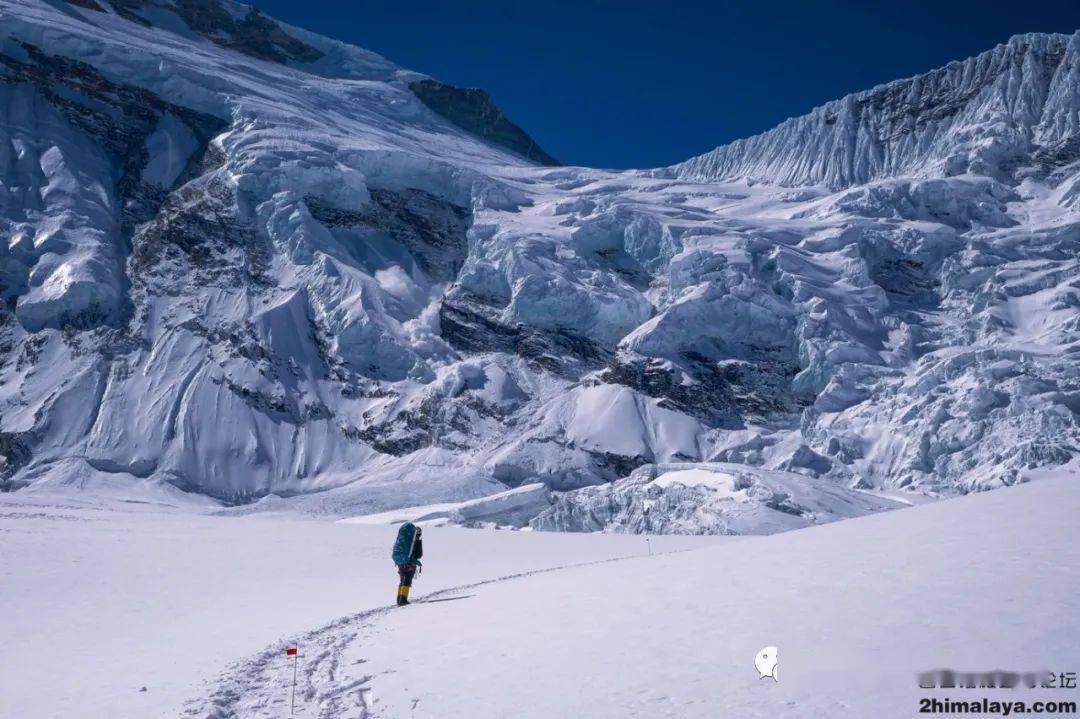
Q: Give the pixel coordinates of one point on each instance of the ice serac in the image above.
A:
(990, 115)
(276, 270)
(706, 499)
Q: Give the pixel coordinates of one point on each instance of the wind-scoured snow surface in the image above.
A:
(251, 263)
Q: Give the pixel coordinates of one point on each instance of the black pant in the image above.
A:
(406, 572)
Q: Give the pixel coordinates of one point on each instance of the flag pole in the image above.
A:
(296, 659)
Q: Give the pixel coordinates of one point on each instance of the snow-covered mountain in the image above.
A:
(243, 260)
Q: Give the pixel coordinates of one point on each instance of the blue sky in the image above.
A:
(645, 84)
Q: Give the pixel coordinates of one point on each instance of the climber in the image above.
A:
(408, 548)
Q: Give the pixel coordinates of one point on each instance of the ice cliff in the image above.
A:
(1011, 107)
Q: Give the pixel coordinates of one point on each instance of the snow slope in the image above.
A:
(270, 269)
(857, 609)
(103, 598)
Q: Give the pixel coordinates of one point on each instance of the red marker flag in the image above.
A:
(290, 651)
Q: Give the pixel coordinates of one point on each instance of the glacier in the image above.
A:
(248, 263)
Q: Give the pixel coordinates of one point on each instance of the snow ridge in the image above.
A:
(982, 115)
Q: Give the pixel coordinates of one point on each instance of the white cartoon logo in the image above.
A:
(766, 663)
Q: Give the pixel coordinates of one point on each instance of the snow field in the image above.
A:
(101, 599)
(857, 608)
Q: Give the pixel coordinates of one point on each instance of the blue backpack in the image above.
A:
(403, 545)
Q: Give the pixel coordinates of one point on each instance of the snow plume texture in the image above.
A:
(247, 265)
